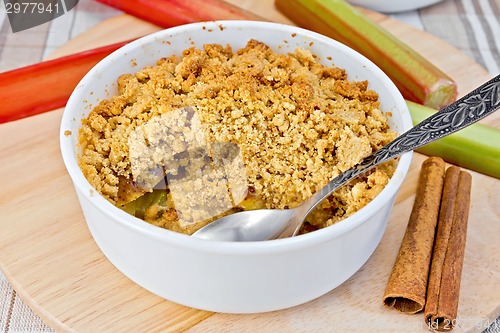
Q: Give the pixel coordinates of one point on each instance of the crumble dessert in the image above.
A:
(292, 125)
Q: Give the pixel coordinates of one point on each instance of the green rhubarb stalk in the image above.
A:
(417, 78)
(476, 147)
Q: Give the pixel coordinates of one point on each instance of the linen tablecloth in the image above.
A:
(472, 26)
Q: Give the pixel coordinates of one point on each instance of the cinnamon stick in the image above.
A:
(448, 254)
(407, 285)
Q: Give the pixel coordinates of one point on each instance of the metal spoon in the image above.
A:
(265, 224)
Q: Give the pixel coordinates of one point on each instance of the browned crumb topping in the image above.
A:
(296, 122)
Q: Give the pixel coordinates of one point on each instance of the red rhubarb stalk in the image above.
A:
(47, 85)
(168, 13)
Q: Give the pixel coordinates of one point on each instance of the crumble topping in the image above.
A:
(295, 122)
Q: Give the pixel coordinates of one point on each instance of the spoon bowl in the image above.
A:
(261, 224)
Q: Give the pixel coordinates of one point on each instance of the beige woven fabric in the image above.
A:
(15, 315)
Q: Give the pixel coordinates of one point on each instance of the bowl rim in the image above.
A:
(116, 215)
(393, 6)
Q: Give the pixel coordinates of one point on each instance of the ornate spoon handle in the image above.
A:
(467, 110)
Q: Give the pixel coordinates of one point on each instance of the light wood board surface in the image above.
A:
(50, 258)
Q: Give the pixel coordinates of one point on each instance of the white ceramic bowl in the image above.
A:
(228, 276)
(394, 6)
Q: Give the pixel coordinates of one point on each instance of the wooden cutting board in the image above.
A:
(50, 258)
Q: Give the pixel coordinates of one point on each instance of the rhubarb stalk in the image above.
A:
(47, 85)
(168, 13)
(417, 78)
(475, 147)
